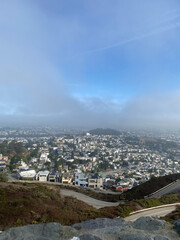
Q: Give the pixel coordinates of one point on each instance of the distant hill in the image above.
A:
(104, 131)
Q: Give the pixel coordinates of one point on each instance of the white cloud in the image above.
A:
(34, 46)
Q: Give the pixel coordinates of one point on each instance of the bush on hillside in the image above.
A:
(3, 177)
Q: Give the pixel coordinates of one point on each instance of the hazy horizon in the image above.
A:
(90, 63)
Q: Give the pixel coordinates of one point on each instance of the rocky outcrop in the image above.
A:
(100, 223)
(148, 223)
(47, 231)
(144, 228)
(177, 226)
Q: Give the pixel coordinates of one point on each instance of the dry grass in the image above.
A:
(23, 203)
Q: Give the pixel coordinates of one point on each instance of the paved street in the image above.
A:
(91, 201)
(157, 212)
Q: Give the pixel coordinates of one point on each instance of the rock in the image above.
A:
(47, 231)
(176, 225)
(145, 228)
(148, 223)
(112, 230)
(89, 237)
(160, 238)
(135, 237)
(99, 223)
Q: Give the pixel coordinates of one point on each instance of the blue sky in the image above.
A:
(90, 63)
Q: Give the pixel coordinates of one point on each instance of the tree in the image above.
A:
(17, 158)
(35, 153)
(104, 165)
(47, 165)
(14, 160)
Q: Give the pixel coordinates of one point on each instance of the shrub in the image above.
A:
(148, 203)
(3, 177)
(124, 211)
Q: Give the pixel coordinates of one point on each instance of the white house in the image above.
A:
(44, 157)
(27, 173)
(42, 176)
(22, 165)
(81, 179)
(95, 182)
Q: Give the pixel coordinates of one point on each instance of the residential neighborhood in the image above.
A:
(103, 162)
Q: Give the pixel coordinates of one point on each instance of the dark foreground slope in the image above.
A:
(149, 187)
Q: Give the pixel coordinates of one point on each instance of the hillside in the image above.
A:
(102, 131)
(12, 148)
(149, 187)
(32, 203)
(25, 203)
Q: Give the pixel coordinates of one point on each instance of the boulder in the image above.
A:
(145, 228)
(46, 231)
(148, 223)
(135, 237)
(160, 238)
(89, 237)
(176, 224)
(99, 223)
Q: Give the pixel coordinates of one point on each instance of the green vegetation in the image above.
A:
(3, 177)
(104, 166)
(153, 202)
(175, 215)
(35, 153)
(15, 152)
(15, 160)
(148, 203)
(12, 148)
(124, 210)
